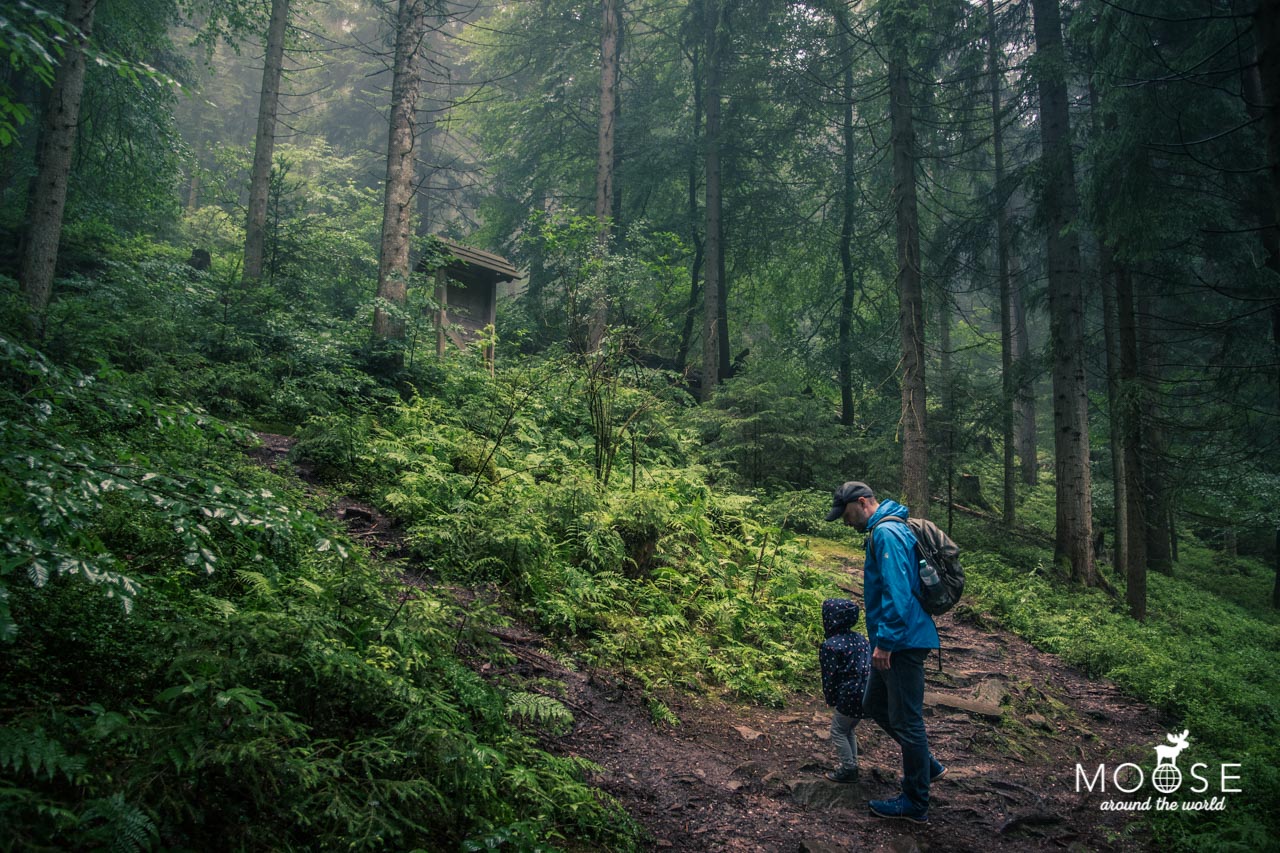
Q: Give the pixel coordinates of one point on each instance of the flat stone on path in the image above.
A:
(961, 703)
(991, 691)
(822, 794)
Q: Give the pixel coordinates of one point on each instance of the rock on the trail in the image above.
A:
(821, 794)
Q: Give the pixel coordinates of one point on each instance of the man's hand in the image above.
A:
(880, 658)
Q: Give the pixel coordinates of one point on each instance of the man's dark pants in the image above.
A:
(895, 700)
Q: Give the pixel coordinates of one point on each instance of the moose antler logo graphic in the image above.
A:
(1167, 777)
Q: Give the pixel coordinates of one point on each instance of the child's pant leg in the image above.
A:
(844, 739)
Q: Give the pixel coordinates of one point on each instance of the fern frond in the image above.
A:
(37, 753)
(256, 582)
(543, 711)
(125, 827)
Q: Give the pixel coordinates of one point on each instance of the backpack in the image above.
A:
(938, 559)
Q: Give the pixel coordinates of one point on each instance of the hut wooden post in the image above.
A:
(491, 323)
(442, 304)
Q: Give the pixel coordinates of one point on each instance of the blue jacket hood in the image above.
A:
(886, 508)
(839, 615)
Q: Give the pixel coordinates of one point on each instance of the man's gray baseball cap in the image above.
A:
(847, 494)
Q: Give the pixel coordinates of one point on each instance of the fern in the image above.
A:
(38, 754)
(124, 827)
(543, 711)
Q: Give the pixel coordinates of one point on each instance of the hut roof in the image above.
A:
(469, 260)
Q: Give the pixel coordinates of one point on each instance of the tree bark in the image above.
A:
(1275, 591)
(1159, 508)
(57, 140)
(695, 236)
(1074, 539)
(915, 454)
(713, 263)
(255, 229)
(1111, 334)
(1266, 19)
(847, 198)
(1007, 383)
(1129, 406)
(1024, 395)
(605, 154)
(948, 400)
(393, 260)
(608, 112)
(1107, 272)
(1262, 100)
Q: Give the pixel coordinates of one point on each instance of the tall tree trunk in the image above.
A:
(1159, 508)
(393, 260)
(722, 308)
(255, 229)
(714, 23)
(1107, 272)
(193, 187)
(1073, 543)
(605, 153)
(608, 112)
(1007, 383)
(915, 458)
(1130, 426)
(1267, 46)
(695, 235)
(53, 168)
(848, 200)
(1262, 99)
(1266, 19)
(948, 399)
(1024, 395)
(1275, 590)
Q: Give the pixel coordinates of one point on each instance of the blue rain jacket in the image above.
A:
(845, 657)
(895, 619)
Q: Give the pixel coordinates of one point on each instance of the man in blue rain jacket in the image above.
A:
(901, 635)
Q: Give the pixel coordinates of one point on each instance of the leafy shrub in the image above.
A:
(267, 687)
(666, 579)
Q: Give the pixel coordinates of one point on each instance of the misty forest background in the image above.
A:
(1015, 263)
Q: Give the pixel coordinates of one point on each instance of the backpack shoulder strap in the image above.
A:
(898, 519)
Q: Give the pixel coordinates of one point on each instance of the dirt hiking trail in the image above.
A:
(1008, 721)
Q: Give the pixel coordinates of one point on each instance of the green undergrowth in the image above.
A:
(629, 561)
(1206, 657)
(191, 660)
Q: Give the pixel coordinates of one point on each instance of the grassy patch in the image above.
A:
(1209, 661)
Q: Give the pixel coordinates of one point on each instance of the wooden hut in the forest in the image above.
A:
(466, 293)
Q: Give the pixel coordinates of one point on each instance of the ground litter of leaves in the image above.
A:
(1010, 723)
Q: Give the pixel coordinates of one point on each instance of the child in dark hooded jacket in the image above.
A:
(845, 658)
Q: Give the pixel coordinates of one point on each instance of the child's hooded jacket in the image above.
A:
(845, 657)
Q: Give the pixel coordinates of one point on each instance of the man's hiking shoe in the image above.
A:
(899, 807)
(936, 771)
(844, 775)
